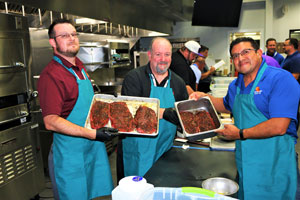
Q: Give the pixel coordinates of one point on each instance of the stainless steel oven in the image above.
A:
(21, 168)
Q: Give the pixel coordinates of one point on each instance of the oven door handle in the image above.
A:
(36, 111)
(18, 64)
(9, 141)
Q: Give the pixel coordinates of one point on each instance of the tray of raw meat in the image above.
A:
(130, 115)
(198, 119)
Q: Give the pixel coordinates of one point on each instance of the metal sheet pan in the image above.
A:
(133, 104)
(203, 103)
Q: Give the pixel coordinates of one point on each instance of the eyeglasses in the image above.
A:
(243, 53)
(67, 35)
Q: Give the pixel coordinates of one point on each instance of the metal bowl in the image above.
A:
(221, 185)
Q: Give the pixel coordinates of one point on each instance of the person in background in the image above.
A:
(196, 66)
(181, 61)
(136, 155)
(265, 127)
(206, 72)
(292, 62)
(271, 50)
(78, 163)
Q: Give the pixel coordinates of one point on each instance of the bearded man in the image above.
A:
(136, 155)
(78, 165)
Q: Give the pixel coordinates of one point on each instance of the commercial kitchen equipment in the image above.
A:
(102, 60)
(21, 168)
(103, 54)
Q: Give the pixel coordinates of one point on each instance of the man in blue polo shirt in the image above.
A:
(271, 50)
(264, 103)
(292, 61)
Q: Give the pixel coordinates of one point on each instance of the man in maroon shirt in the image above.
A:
(78, 164)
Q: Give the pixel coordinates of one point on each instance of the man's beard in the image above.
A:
(270, 53)
(161, 71)
(67, 53)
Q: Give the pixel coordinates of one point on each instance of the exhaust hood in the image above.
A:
(154, 15)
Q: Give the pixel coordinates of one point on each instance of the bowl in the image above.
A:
(223, 186)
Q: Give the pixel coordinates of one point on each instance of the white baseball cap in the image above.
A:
(193, 46)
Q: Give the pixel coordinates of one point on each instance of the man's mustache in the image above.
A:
(163, 63)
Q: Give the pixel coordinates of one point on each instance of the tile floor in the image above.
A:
(48, 195)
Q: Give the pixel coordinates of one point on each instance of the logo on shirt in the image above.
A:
(257, 90)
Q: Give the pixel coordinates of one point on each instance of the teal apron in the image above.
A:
(266, 167)
(140, 153)
(81, 166)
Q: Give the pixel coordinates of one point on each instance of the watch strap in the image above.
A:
(242, 134)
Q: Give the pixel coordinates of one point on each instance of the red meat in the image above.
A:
(121, 117)
(189, 123)
(205, 121)
(197, 122)
(146, 120)
(99, 115)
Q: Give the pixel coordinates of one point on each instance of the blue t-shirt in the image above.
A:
(292, 63)
(277, 95)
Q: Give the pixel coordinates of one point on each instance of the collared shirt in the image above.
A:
(277, 56)
(137, 83)
(292, 63)
(58, 89)
(276, 96)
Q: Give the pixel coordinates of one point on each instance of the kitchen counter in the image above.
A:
(189, 167)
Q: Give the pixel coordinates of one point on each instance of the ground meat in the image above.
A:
(197, 122)
(145, 120)
(205, 121)
(99, 115)
(189, 123)
(120, 117)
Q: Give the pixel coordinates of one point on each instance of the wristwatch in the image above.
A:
(242, 134)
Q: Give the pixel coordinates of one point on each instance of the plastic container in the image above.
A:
(133, 188)
(218, 86)
(184, 193)
(223, 80)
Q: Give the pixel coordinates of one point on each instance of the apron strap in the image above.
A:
(257, 79)
(57, 59)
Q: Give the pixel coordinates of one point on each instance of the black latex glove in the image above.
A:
(171, 116)
(106, 133)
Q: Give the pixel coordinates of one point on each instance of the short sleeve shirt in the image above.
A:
(278, 96)
(58, 89)
(292, 63)
(197, 72)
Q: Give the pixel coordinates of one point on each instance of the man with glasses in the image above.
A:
(292, 62)
(78, 165)
(181, 61)
(271, 50)
(264, 102)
